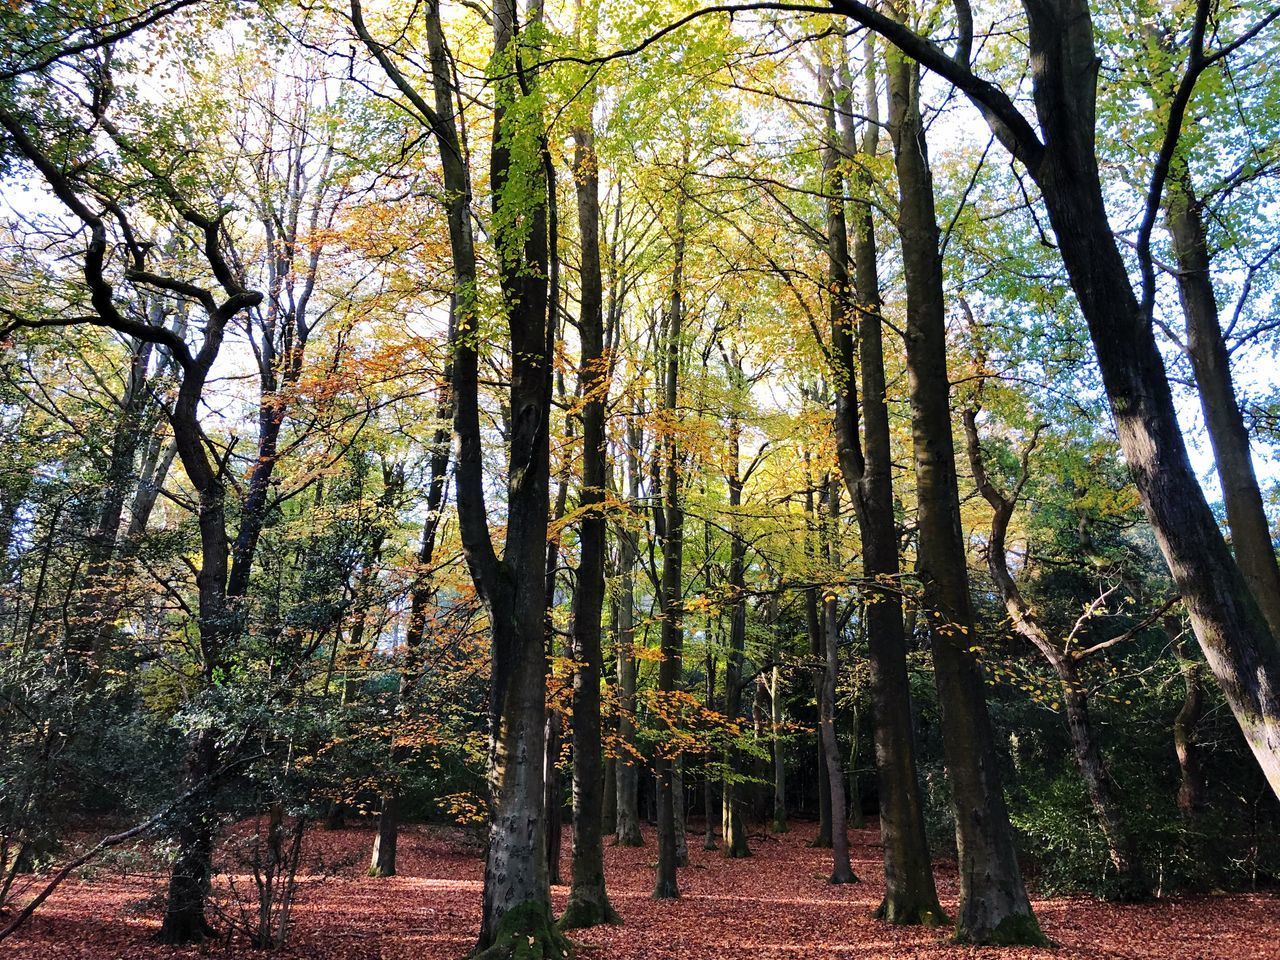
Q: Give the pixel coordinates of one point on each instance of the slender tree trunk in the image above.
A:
(1085, 742)
(588, 902)
(681, 812)
(1246, 518)
(672, 538)
(609, 808)
(817, 645)
(841, 868)
(857, 817)
(993, 901)
(628, 834)
(779, 754)
(554, 797)
(383, 859)
(732, 827)
(1191, 777)
(708, 786)
(910, 896)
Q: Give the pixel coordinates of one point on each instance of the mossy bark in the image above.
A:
(526, 932)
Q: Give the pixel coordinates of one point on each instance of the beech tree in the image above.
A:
(1062, 160)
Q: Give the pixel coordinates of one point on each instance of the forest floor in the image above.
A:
(774, 905)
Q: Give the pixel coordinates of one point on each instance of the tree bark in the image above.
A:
(672, 586)
(779, 754)
(1191, 786)
(628, 834)
(866, 464)
(994, 908)
(709, 841)
(588, 901)
(1211, 364)
(817, 650)
(841, 868)
(732, 828)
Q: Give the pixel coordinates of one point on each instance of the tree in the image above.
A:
(993, 901)
(1064, 660)
(588, 901)
(512, 586)
(1062, 160)
(910, 896)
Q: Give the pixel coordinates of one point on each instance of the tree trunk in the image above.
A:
(817, 648)
(681, 812)
(672, 538)
(708, 786)
(382, 862)
(994, 908)
(841, 868)
(1246, 518)
(609, 808)
(1191, 779)
(184, 919)
(588, 902)
(629, 768)
(628, 834)
(516, 908)
(1234, 634)
(857, 817)
(383, 859)
(732, 827)
(910, 896)
(779, 754)
(553, 802)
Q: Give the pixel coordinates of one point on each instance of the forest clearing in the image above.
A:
(510, 479)
(774, 906)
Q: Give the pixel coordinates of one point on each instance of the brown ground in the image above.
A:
(772, 906)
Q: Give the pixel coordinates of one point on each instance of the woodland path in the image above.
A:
(775, 905)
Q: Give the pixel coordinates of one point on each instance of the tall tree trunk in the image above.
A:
(672, 538)
(708, 784)
(516, 908)
(993, 901)
(383, 859)
(184, 919)
(552, 782)
(857, 816)
(1207, 348)
(629, 834)
(817, 648)
(732, 827)
(910, 895)
(588, 902)
(681, 811)
(817, 651)
(553, 795)
(841, 868)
